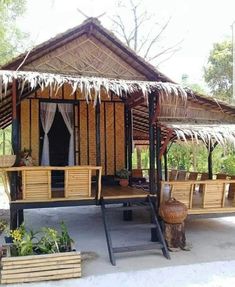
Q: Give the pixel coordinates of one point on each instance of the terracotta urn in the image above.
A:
(124, 182)
(173, 211)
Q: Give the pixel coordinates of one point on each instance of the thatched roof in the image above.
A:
(209, 134)
(89, 57)
(67, 45)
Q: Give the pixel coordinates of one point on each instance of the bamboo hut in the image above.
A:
(77, 102)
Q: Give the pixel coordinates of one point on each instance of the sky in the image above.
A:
(199, 23)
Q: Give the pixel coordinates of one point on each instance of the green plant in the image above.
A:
(3, 225)
(51, 241)
(123, 173)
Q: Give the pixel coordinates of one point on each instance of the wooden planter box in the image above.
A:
(40, 267)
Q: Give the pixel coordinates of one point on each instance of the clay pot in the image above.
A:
(124, 182)
(173, 211)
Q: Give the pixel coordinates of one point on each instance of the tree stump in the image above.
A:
(175, 236)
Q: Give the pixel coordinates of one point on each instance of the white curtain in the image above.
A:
(67, 114)
(47, 114)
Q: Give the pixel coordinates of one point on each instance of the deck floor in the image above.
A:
(110, 192)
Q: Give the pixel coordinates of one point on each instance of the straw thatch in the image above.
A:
(210, 134)
(87, 84)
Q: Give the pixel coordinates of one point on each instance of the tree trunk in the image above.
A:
(175, 236)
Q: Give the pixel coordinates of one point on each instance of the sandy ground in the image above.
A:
(211, 261)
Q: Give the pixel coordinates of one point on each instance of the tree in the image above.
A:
(130, 23)
(11, 37)
(218, 72)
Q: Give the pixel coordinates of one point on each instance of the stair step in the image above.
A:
(123, 208)
(132, 226)
(133, 248)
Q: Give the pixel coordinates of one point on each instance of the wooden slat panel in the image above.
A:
(25, 124)
(182, 192)
(83, 132)
(213, 195)
(35, 131)
(36, 184)
(110, 138)
(120, 136)
(78, 183)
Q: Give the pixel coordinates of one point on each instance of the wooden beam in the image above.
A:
(156, 112)
(166, 141)
(134, 102)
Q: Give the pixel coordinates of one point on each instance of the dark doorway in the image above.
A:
(59, 137)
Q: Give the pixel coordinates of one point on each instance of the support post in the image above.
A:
(138, 151)
(210, 168)
(165, 166)
(210, 148)
(151, 100)
(98, 149)
(97, 128)
(15, 139)
(159, 162)
(129, 143)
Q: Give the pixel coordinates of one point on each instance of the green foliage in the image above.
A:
(123, 173)
(218, 72)
(10, 36)
(51, 241)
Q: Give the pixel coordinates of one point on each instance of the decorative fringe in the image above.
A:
(87, 84)
(222, 134)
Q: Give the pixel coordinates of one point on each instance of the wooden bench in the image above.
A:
(213, 198)
(36, 183)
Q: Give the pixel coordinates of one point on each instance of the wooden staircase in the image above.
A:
(148, 205)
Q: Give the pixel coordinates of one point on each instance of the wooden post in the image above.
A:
(210, 148)
(210, 168)
(15, 139)
(98, 149)
(129, 143)
(97, 128)
(159, 162)
(138, 151)
(165, 166)
(152, 189)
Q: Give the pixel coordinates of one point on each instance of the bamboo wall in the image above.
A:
(112, 129)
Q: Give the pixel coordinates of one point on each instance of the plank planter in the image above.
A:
(36, 268)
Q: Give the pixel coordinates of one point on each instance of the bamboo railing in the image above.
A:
(214, 196)
(36, 182)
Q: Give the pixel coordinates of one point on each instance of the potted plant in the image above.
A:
(39, 256)
(123, 174)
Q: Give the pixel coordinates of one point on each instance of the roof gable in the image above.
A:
(75, 50)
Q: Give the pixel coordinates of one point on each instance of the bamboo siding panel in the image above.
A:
(102, 137)
(44, 94)
(35, 131)
(36, 184)
(109, 122)
(120, 136)
(77, 183)
(68, 95)
(40, 267)
(25, 124)
(83, 133)
(92, 134)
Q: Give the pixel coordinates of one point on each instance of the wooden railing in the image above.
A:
(36, 182)
(213, 195)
